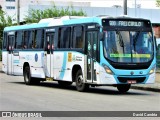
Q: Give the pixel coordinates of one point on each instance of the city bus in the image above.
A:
(90, 51)
(158, 54)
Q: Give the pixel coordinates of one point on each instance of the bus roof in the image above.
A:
(27, 26)
(65, 21)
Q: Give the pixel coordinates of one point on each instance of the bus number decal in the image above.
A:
(69, 57)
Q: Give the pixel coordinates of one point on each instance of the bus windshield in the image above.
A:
(128, 46)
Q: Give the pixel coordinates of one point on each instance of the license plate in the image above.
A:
(132, 81)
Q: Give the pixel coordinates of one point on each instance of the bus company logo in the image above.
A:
(36, 57)
(6, 114)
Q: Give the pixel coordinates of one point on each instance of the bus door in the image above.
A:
(92, 55)
(10, 57)
(49, 59)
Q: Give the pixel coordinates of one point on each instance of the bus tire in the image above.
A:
(123, 88)
(27, 77)
(64, 83)
(80, 85)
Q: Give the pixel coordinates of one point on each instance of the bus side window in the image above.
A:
(59, 38)
(32, 41)
(15, 44)
(77, 41)
(31, 36)
(65, 37)
(42, 39)
(48, 43)
(4, 41)
(39, 40)
(26, 38)
(19, 40)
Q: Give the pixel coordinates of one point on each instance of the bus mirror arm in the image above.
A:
(155, 43)
(101, 36)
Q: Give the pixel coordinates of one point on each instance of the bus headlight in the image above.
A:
(107, 69)
(152, 70)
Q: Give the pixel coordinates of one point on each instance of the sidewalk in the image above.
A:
(149, 87)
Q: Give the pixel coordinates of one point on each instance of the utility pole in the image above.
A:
(125, 7)
(135, 8)
(18, 12)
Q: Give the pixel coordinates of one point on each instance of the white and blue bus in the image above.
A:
(90, 51)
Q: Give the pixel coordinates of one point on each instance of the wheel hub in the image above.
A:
(80, 80)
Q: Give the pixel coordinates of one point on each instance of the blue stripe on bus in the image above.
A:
(63, 66)
(82, 20)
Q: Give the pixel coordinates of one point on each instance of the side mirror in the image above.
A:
(101, 36)
(158, 54)
(158, 49)
(155, 43)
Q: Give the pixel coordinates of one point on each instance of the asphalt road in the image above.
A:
(49, 96)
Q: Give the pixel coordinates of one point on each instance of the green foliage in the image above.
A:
(35, 16)
(4, 21)
(158, 3)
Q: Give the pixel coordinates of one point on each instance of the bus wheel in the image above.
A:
(80, 85)
(64, 83)
(27, 77)
(123, 88)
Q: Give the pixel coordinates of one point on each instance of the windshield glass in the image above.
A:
(128, 46)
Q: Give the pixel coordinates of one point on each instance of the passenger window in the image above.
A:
(31, 39)
(59, 38)
(34, 42)
(4, 41)
(77, 37)
(19, 39)
(26, 39)
(39, 39)
(65, 38)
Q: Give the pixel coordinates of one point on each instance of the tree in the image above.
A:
(5, 20)
(158, 3)
(35, 16)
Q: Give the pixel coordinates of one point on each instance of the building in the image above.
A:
(10, 6)
(144, 8)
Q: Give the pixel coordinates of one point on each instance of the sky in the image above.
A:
(130, 3)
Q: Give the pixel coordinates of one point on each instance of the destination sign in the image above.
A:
(126, 23)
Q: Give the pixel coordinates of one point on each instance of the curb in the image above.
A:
(146, 88)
